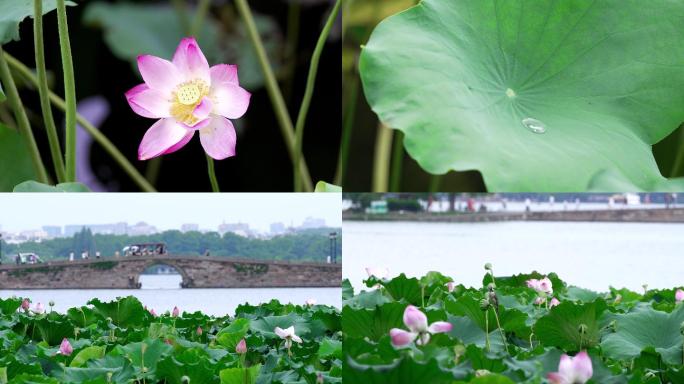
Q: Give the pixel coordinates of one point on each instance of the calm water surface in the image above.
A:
(590, 255)
(161, 292)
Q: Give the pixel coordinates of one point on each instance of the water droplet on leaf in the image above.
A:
(534, 125)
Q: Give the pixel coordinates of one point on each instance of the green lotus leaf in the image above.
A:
(231, 335)
(124, 312)
(536, 95)
(643, 328)
(561, 326)
(34, 186)
(512, 320)
(14, 12)
(33, 379)
(404, 288)
(403, 371)
(192, 364)
(240, 375)
(372, 323)
(145, 355)
(10, 305)
(53, 330)
(88, 353)
(322, 186)
(330, 348)
(13, 151)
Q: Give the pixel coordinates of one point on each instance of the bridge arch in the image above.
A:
(186, 280)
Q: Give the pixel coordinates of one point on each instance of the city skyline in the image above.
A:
(167, 211)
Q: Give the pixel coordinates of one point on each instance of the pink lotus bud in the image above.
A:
(153, 313)
(450, 286)
(175, 312)
(241, 347)
(679, 296)
(38, 309)
(199, 331)
(65, 348)
(553, 302)
(415, 320)
(539, 300)
(572, 370)
(25, 304)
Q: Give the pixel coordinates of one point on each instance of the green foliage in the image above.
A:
(14, 12)
(308, 245)
(626, 343)
(34, 186)
(120, 342)
(13, 151)
(532, 94)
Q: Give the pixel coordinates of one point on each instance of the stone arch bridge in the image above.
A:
(197, 272)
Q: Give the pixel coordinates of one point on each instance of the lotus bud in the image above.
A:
(679, 296)
(65, 348)
(491, 286)
(199, 331)
(241, 347)
(25, 304)
(488, 266)
(583, 329)
(450, 286)
(175, 312)
(484, 304)
(51, 303)
(310, 302)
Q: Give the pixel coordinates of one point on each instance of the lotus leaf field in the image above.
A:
(630, 337)
(122, 342)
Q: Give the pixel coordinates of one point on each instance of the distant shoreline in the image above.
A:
(674, 215)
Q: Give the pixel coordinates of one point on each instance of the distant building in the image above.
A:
(97, 229)
(313, 222)
(53, 230)
(278, 229)
(141, 229)
(189, 228)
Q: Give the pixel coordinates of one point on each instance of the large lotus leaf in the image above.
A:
(10, 305)
(53, 330)
(643, 328)
(372, 323)
(197, 368)
(511, 319)
(611, 181)
(561, 326)
(230, 336)
(145, 355)
(403, 371)
(124, 312)
(88, 353)
(34, 186)
(240, 375)
(13, 12)
(13, 151)
(473, 84)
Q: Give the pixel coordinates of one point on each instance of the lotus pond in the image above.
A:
(123, 342)
(515, 329)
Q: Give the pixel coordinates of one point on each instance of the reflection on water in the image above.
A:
(162, 293)
(590, 255)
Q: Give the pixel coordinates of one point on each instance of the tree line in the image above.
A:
(306, 245)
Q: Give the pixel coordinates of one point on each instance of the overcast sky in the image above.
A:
(21, 211)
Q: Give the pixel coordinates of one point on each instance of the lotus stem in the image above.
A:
(487, 330)
(397, 159)
(347, 125)
(48, 119)
(498, 324)
(308, 93)
(21, 117)
(69, 92)
(92, 130)
(212, 175)
(383, 145)
(274, 93)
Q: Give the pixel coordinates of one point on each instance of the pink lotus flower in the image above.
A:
(310, 302)
(450, 286)
(25, 304)
(417, 323)
(175, 312)
(65, 348)
(38, 309)
(288, 335)
(543, 285)
(572, 370)
(241, 347)
(553, 302)
(199, 331)
(186, 95)
(679, 296)
(152, 312)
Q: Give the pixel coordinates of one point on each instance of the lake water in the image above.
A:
(161, 293)
(589, 255)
